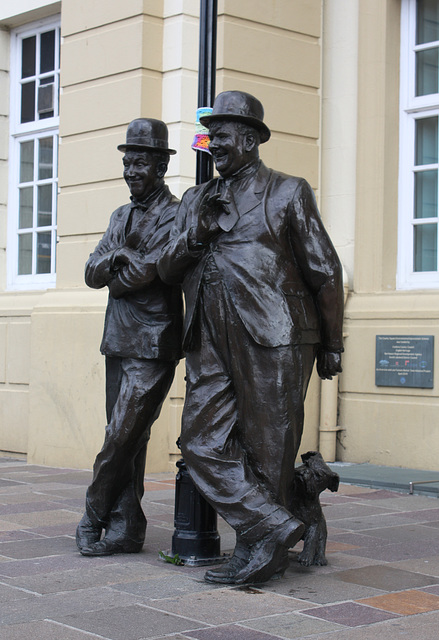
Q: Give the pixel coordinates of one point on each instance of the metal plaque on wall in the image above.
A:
(404, 361)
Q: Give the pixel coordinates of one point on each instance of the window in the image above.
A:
(419, 161)
(33, 167)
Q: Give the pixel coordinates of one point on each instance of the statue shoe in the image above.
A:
(226, 573)
(87, 532)
(283, 566)
(108, 547)
(267, 557)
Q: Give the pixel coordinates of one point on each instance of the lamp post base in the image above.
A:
(196, 540)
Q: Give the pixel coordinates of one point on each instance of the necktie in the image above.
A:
(228, 216)
(132, 231)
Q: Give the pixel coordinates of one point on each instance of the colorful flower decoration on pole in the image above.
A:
(201, 138)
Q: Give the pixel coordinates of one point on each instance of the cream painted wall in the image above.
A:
(382, 425)
(15, 347)
(180, 88)
(51, 372)
(147, 51)
(111, 73)
(179, 103)
(66, 400)
(260, 45)
(387, 425)
(14, 309)
(17, 12)
(19, 7)
(377, 135)
(339, 126)
(64, 425)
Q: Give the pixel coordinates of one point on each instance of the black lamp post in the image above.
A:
(206, 77)
(196, 540)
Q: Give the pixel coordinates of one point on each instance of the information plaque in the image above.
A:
(404, 361)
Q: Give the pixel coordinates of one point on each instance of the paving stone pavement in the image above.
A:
(381, 581)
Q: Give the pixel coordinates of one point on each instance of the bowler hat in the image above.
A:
(147, 133)
(241, 107)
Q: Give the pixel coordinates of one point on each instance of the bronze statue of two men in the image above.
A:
(264, 299)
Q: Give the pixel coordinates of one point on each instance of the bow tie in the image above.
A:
(141, 206)
(145, 204)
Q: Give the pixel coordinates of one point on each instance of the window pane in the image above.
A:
(45, 158)
(28, 102)
(25, 208)
(28, 57)
(56, 156)
(425, 247)
(47, 114)
(44, 250)
(426, 194)
(27, 161)
(47, 80)
(24, 254)
(44, 218)
(426, 141)
(46, 97)
(47, 62)
(427, 21)
(427, 65)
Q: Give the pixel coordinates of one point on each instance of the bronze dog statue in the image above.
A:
(313, 477)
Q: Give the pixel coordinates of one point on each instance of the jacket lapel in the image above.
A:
(248, 199)
(146, 222)
(240, 201)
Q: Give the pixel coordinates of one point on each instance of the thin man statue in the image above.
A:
(141, 342)
(264, 299)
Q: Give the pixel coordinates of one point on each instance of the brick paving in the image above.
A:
(382, 578)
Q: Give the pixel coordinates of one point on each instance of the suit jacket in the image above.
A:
(144, 315)
(277, 262)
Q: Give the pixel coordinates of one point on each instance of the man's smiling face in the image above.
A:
(228, 147)
(140, 173)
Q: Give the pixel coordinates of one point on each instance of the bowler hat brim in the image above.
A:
(144, 147)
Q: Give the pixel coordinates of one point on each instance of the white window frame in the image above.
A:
(21, 132)
(412, 107)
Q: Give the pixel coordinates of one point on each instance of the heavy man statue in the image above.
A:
(264, 298)
(141, 342)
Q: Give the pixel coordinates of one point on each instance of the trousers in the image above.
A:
(243, 416)
(135, 392)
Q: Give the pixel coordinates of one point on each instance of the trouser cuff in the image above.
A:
(264, 526)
